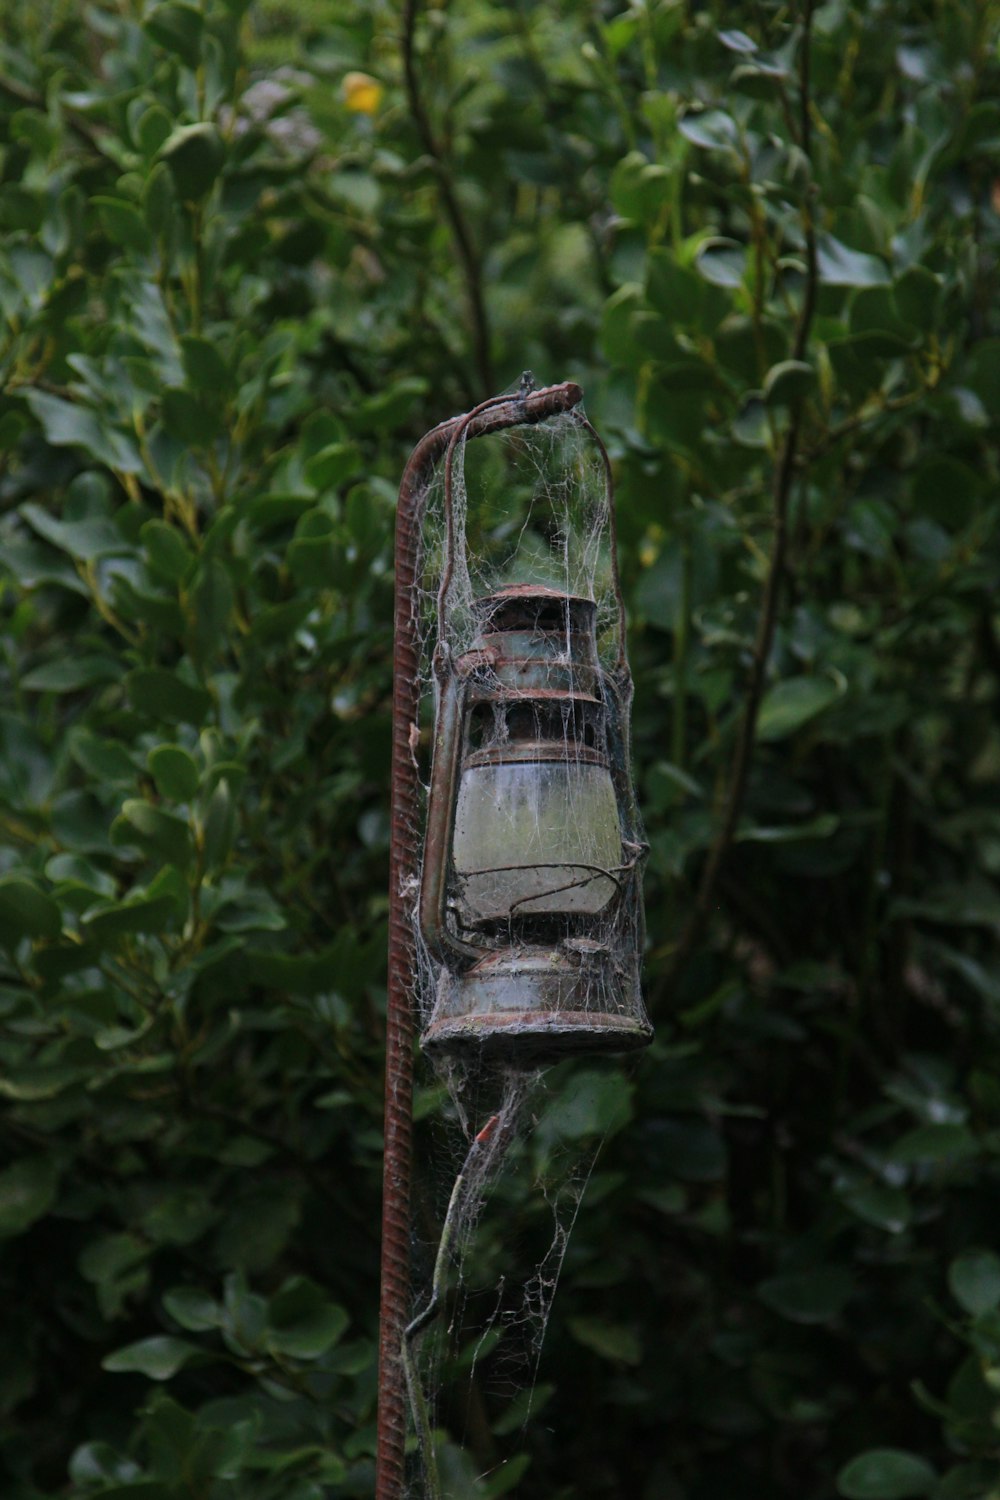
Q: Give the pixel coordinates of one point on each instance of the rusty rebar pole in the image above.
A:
(505, 411)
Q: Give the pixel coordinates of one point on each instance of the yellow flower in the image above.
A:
(362, 93)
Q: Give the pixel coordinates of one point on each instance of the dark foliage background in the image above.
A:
(249, 253)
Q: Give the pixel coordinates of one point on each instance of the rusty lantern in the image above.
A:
(530, 895)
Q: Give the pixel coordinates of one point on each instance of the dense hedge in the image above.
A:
(249, 252)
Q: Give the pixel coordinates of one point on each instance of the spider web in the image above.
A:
(514, 1149)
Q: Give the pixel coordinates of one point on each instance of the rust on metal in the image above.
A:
(531, 591)
(535, 752)
(535, 1037)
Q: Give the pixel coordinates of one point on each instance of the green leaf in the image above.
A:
(982, 374)
(918, 297)
(974, 1279)
(33, 271)
(163, 695)
(104, 760)
(808, 1296)
(179, 1215)
(357, 188)
(212, 600)
(757, 79)
(528, 1402)
(970, 1481)
(885, 1474)
(302, 1322)
(192, 1308)
(72, 871)
(175, 772)
(111, 1256)
(722, 262)
(204, 366)
(962, 905)
(713, 130)
(609, 1340)
(99, 1461)
(33, 565)
(312, 561)
(874, 311)
(195, 156)
(634, 193)
(71, 674)
(86, 540)
(170, 557)
(840, 266)
(171, 882)
(177, 27)
(152, 129)
(26, 911)
(123, 223)
(822, 827)
(617, 339)
(786, 383)
(160, 834)
(884, 1207)
(679, 294)
(220, 826)
(271, 510)
(391, 407)
(510, 1472)
(27, 1192)
(750, 427)
(139, 914)
(737, 41)
(68, 424)
(159, 1357)
(792, 703)
(189, 418)
(935, 1143)
(332, 465)
(591, 1103)
(158, 202)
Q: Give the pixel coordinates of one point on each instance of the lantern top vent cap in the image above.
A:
(530, 591)
(533, 605)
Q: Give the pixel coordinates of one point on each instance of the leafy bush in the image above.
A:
(249, 253)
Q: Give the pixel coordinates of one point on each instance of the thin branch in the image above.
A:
(461, 232)
(743, 755)
(456, 1207)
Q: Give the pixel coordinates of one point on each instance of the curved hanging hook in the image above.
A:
(525, 407)
(461, 428)
(616, 581)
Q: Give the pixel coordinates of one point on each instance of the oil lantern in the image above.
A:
(530, 896)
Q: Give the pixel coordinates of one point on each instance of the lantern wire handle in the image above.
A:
(461, 428)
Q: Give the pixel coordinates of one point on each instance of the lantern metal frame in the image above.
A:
(530, 989)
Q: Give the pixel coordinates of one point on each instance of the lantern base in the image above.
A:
(534, 1005)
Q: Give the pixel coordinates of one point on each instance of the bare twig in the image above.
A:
(461, 232)
(423, 1320)
(718, 854)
